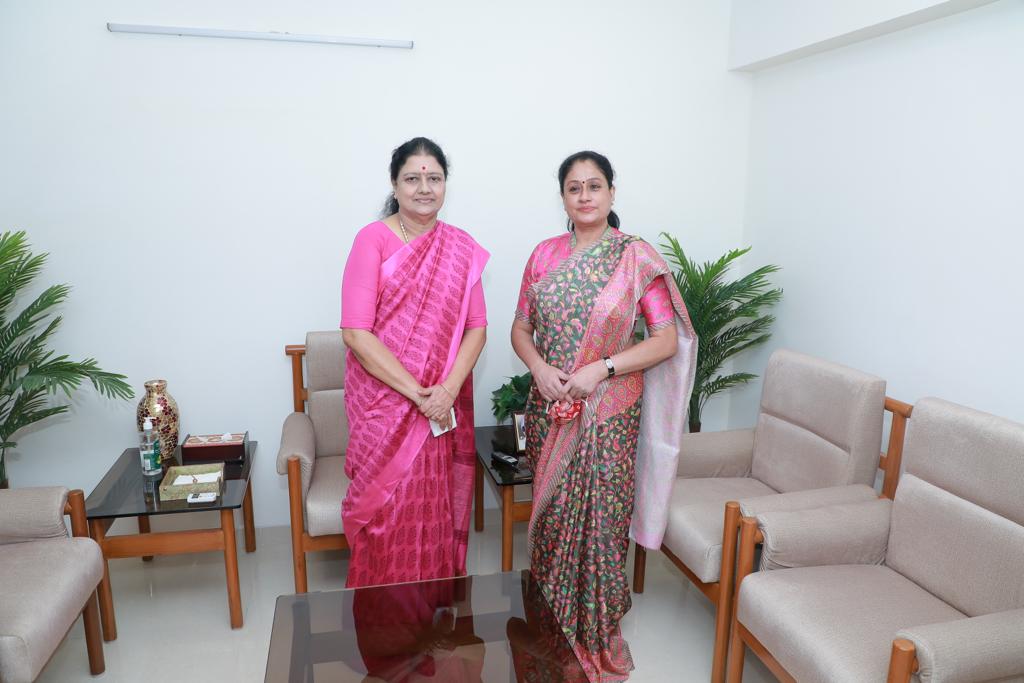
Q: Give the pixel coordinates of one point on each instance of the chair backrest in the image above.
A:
(324, 390)
(820, 424)
(958, 517)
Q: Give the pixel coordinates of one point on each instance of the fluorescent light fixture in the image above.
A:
(257, 35)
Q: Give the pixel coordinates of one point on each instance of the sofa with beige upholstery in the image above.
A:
(46, 580)
(927, 587)
(816, 442)
(312, 452)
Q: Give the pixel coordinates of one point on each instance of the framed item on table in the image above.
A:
(519, 422)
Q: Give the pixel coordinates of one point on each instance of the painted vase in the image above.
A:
(162, 409)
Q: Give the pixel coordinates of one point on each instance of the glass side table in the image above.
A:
(503, 480)
(124, 492)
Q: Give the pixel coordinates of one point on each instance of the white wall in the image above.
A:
(770, 33)
(201, 195)
(885, 178)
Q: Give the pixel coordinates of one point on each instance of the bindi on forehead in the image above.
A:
(423, 168)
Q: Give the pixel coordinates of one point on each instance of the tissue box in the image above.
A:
(230, 448)
(168, 491)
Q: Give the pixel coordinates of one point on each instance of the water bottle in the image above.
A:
(149, 450)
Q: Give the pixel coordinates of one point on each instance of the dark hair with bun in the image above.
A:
(401, 154)
(606, 170)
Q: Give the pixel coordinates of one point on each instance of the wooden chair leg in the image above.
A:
(93, 637)
(639, 568)
(297, 524)
(723, 613)
(902, 662)
(737, 648)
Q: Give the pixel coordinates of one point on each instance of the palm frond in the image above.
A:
(31, 373)
(728, 316)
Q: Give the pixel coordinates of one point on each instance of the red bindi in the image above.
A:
(423, 168)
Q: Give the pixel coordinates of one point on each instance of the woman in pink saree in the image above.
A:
(603, 468)
(414, 321)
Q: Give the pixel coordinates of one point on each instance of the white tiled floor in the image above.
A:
(172, 615)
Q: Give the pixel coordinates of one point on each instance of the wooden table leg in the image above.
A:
(106, 598)
(227, 524)
(144, 529)
(478, 497)
(250, 528)
(506, 527)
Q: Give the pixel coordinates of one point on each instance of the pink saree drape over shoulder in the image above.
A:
(606, 475)
(406, 512)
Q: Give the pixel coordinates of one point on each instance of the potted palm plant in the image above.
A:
(29, 372)
(728, 317)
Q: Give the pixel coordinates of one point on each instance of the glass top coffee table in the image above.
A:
(475, 628)
(124, 492)
(503, 479)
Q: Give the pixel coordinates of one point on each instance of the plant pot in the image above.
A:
(162, 409)
(4, 484)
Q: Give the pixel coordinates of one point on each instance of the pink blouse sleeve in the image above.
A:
(656, 304)
(359, 284)
(477, 307)
(529, 277)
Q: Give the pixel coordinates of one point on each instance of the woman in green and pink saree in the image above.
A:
(603, 468)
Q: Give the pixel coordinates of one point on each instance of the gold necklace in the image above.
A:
(405, 235)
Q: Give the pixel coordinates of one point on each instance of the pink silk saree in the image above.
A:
(406, 512)
(607, 475)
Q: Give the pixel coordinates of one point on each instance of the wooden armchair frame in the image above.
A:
(75, 508)
(903, 659)
(722, 593)
(302, 542)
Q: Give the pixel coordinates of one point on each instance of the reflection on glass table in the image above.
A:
(475, 628)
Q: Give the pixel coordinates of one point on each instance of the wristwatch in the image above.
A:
(611, 366)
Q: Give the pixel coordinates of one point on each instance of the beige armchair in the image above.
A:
(46, 580)
(817, 442)
(928, 587)
(312, 451)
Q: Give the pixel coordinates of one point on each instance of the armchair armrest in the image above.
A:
(808, 499)
(297, 439)
(852, 533)
(716, 454)
(985, 648)
(32, 514)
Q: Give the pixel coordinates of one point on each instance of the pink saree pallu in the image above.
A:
(406, 512)
(607, 474)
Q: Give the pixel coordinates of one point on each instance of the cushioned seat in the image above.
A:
(312, 453)
(835, 624)
(54, 578)
(819, 428)
(46, 580)
(926, 587)
(323, 502)
(694, 531)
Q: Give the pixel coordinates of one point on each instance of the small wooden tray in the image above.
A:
(170, 492)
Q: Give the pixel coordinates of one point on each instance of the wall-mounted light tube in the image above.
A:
(257, 35)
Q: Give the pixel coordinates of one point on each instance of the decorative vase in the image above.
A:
(162, 409)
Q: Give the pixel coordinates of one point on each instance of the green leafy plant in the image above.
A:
(29, 371)
(511, 397)
(727, 317)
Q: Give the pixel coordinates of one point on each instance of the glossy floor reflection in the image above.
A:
(172, 615)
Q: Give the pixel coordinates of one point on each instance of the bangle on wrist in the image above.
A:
(446, 390)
